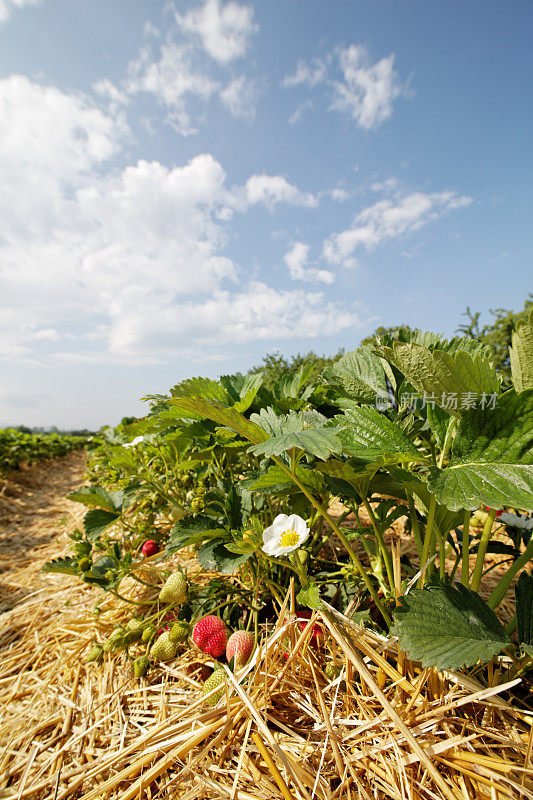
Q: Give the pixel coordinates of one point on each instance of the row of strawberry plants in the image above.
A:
(415, 427)
(18, 447)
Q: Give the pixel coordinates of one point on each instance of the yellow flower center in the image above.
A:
(288, 538)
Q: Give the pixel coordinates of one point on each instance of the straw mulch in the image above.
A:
(381, 727)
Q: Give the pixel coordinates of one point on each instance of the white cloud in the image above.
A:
(116, 98)
(173, 80)
(8, 6)
(340, 195)
(47, 335)
(296, 260)
(126, 266)
(48, 140)
(224, 28)
(368, 90)
(300, 111)
(257, 312)
(388, 219)
(239, 98)
(309, 74)
(353, 84)
(273, 189)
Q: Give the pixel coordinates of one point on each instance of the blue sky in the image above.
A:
(187, 186)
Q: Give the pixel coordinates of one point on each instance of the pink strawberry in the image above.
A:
(240, 646)
(149, 548)
(210, 635)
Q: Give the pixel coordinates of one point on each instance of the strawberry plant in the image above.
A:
(410, 427)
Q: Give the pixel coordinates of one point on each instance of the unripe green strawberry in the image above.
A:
(218, 678)
(96, 653)
(85, 564)
(148, 632)
(332, 670)
(174, 589)
(132, 636)
(163, 649)
(115, 641)
(135, 624)
(140, 666)
(178, 632)
(240, 647)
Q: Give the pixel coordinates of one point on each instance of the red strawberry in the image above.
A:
(149, 548)
(240, 647)
(210, 635)
(317, 636)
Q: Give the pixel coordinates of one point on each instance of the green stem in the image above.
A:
(381, 541)
(442, 559)
(351, 552)
(465, 569)
(314, 547)
(301, 568)
(133, 602)
(447, 440)
(429, 540)
(415, 527)
(140, 580)
(511, 625)
(499, 592)
(482, 550)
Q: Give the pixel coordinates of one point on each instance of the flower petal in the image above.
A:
(280, 522)
(272, 548)
(297, 524)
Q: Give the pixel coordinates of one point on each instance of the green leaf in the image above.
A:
(215, 556)
(97, 520)
(359, 479)
(448, 627)
(521, 354)
(228, 417)
(102, 565)
(242, 389)
(445, 519)
(191, 531)
(524, 609)
(439, 374)
(305, 430)
(359, 375)
(97, 497)
(276, 480)
(66, 566)
(369, 435)
(309, 596)
(496, 485)
(203, 387)
(438, 420)
(492, 457)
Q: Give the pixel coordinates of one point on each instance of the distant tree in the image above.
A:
(497, 333)
(382, 331)
(276, 365)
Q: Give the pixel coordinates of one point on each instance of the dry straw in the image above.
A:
(382, 728)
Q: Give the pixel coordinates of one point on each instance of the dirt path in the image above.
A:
(35, 517)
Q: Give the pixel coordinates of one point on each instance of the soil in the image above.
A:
(34, 519)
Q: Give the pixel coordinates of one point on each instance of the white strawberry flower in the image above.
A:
(284, 535)
(135, 442)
